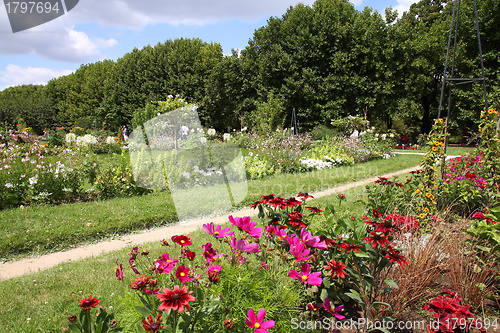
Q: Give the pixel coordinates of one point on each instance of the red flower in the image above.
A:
(304, 195)
(140, 282)
(182, 240)
(152, 326)
(341, 196)
(335, 268)
(208, 252)
(268, 198)
(176, 299)
(470, 175)
(350, 247)
(395, 256)
(89, 302)
(190, 255)
(377, 238)
(376, 212)
(292, 202)
(315, 210)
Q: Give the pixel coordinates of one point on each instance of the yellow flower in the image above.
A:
(422, 215)
(436, 185)
(426, 209)
(434, 148)
(441, 120)
(486, 209)
(417, 191)
(429, 195)
(437, 143)
(492, 111)
(479, 129)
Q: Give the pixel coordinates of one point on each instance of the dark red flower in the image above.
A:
(182, 240)
(304, 195)
(190, 255)
(395, 256)
(140, 282)
(335, 268)
(176, 299)
(292, 202)
(267, 198)
(350, 247)
(296, 220)
(315, 210)
(377, 238)
(470, 175)
(256, 204)
(89, 302)
(341, 196)
(376, 212)
(152, 326)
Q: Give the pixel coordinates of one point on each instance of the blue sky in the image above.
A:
(107, 29)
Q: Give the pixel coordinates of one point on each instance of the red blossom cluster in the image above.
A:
(386, 181)
(452, 314)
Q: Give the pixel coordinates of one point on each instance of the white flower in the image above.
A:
(110, 140)
(9, 185)
(227, 137)
(211, 132)
(70, 137)
(391, 135)
(203, 140)
(33, 180)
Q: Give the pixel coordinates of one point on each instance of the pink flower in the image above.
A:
(119, 271)
(311, 241)
(300, 252)
(481, 216)
(305, 276)
(208, 252)
(213, 269)
(182, 273)
(258, 322)
(244, 224)
(328, 307)
(241, 245)
(217, 231)
(165, 264)
(264, 265)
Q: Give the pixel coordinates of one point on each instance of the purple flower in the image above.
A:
(328, 307)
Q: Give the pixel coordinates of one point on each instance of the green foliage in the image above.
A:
(269, 115)
(350, 124)
(154, 109)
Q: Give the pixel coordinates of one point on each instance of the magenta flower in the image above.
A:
(208, 252)
(217, 230)
(165, 264)
(300, 252)
(258, 322)
(264, 265)
(213, 269)
(244, 224)
(305, 277)
(328, 307)
(119, 271)
(241, 245)
(311, 241)
(182, 273)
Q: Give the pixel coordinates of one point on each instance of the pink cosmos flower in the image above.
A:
(328, 307)
(182, 273)
(264, 265)
(217, 230)
(300, 252)
(208, 252)
(241, 245)
(244, 224)
(165, 264)
(258, 322)
(311, 241)
(305, 277)
(213, 269)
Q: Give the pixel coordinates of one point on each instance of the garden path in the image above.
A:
(30, 265)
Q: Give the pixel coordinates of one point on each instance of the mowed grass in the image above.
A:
(42, 301)
(42, 229)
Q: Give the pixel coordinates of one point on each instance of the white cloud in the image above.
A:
(57, 40)
(14, 75)
(403, 6)
(137, 14)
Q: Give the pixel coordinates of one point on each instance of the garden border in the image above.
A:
(30, 265)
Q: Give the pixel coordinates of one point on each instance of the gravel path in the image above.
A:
(29, 265)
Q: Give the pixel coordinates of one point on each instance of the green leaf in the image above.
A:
(354, 295)
(376, 305)
(324, 294)
(361, 255)
(146, 304)
(391, 283)
(143, 311)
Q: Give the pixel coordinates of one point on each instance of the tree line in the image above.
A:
(327, 61)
